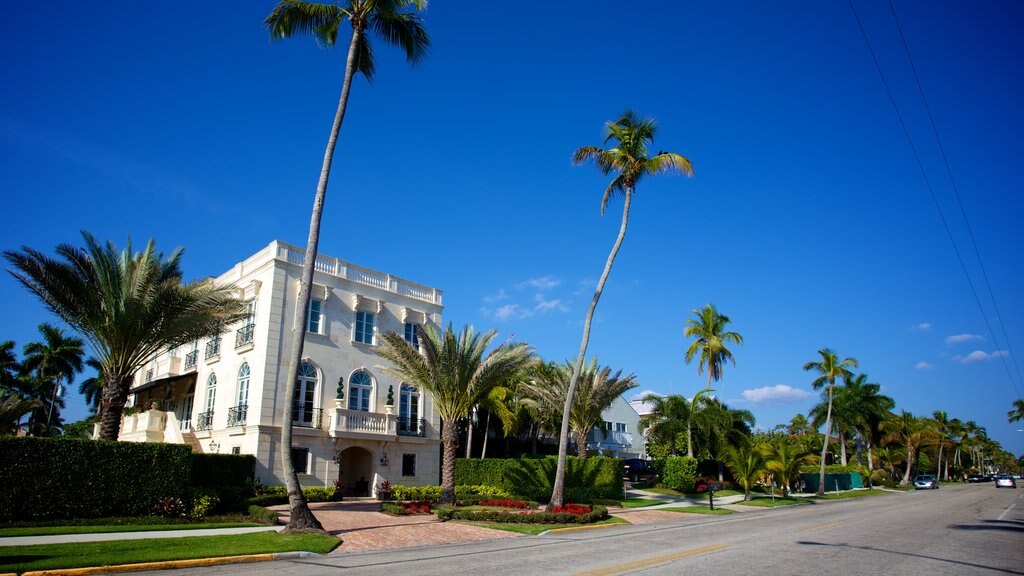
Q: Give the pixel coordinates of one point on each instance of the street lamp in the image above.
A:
(214, 447)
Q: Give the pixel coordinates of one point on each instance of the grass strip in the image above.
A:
(534, 529)
(697, 510)
(112, 553)
(769, 503)
(851, 494)
(56, 530)
(639, 502)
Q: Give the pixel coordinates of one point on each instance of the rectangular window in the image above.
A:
(364, 327)
(608, 426)
(620, 426)
(236, 449)
(412, 334)
(408, 464)
(314, 316)
(300, 459)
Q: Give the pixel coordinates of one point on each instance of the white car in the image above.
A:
(925, 482)
(1005, 481)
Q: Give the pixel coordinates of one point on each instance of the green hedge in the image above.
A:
(222, 469)
(680, 473)
(42, 478)
(596, 514)
(586, 479)
(831, 469)
(433, 493)
(274, 495)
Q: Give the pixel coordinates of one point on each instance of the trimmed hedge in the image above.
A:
(43, 478)
(222, 469)
(680, 473)
(433, 493)
(586, 479)
(831, 469)
(597, 513)
(275, 495)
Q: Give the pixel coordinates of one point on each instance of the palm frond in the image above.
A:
(293, 17)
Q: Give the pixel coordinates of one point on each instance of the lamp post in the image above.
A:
(214, 447)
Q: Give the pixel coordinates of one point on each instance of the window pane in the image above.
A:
(408, 464)
(313, 317)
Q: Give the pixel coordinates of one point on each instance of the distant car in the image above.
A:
(978, 478)
(1005, 481)
(636, 469)
(925, 482)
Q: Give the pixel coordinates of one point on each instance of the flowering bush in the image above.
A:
(421, 507)
(202, 505)
(505, 503)
(568, 508)
(504, 516)
(170, 508)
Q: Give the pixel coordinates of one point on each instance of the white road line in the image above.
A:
(1001, 516)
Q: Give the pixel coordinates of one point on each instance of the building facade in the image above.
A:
(352, 423)
(619, 433)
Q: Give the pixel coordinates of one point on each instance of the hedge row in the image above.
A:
(433, 493)
(596, 514)
(586, 479)
(680, 473)
(274, 495)
(831, 469)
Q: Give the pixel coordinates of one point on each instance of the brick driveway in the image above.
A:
(362, 527)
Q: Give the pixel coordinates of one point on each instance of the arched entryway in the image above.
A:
(355, 471)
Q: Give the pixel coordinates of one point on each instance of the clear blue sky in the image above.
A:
(807, 222)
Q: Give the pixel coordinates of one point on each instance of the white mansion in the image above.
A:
(352, 422)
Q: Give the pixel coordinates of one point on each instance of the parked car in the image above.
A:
(925, 482)
(973, 478)
(636, 469)
(1005, 481)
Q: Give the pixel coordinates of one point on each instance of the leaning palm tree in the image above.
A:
(52, 363)
(784, 459)
(1017, 414)
(707, 327)
(127, 305)
(912, 434)
(389, 21)
(829, 368)
(499, 401)
(746, 464)
(630, 161)
(454, 370)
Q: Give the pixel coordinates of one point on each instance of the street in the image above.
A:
(963, 530)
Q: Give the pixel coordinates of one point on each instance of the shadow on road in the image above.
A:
(911, 554)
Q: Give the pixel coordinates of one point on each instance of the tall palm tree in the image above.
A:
(454, 370)
(868, 406)
(829, 368)
(499, 401)
(912, 434)
(9, 368)
(53, 362)
(746, 464)
(718, 427)
(940, 421)
(1017, 414)
(630, 161)
(707, 327)
(783, 458)
(127, 305)
(669, 417)
(389, 21)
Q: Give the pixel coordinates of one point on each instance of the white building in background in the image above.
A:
(224, 394)
(619, 434)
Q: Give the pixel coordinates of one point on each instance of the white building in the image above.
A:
(223, 394)
(619, 435)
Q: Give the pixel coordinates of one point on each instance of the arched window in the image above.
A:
(211, 392)
(243, 385)
(304, 401)
(360, 388)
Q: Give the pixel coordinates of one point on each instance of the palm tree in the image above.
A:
(783, 459)
(1017, 414)
(12, 408)
(127, 305)
(669, 417)
(718, 427)
(868, 407)
(9, 368)
(746, 464)
(911, 433)
(941, 422)
(708, 328)
(55, 360)
(405, 30)
(91, 388)
(499, 401)
(454, 370)
(629, 160)
(829, 367)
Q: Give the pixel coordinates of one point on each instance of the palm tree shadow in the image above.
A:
(975, 527)
(911, 554)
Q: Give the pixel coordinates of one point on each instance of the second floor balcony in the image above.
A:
(237, 415)
(213, 348)
(244, 336)
(190, 359)
(412, 426)
(204, 421)
(308, 418)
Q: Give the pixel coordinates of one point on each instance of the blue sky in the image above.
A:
(807, 221)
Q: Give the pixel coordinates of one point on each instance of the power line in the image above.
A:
(956, 192)
(928, 184)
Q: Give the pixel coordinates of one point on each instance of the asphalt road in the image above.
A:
(961, 530)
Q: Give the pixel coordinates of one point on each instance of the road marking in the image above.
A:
(1003, 515)
(652, 561)
(816, 526)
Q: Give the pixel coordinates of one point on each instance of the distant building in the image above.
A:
(619, 433)
(223, 394)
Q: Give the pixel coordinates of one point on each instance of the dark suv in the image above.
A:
(636, 469)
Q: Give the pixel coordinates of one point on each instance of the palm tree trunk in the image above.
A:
(910, 464)
(824, 445)
(938, 470)
(708, 388)
(842, 447)
(689, 440)
(487, 432)
(558, 489)
(449, 439)
(112, 406)
(301, 518)
(469, 435)
(581, 445)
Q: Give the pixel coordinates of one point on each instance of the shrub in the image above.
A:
(532, 478)
(680, 473)
(169, 507)
(262, 515)
(433, 493)
(503, 516)
(571, 509)
(216, 470)
(505, 503)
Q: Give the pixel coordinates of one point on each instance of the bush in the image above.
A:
(203, 505)
(216, 470)
(586, 479)
(503, 516)
(169, 508)
(680, 473)
(261, 514)
(433, 493)
(276, 495)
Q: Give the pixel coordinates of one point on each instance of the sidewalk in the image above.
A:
(109, 536)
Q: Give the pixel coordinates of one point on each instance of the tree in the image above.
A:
(127, 305)
(323, 21)
(829, 368)
(940, 422)
(629, 160)
(783, 458)
(53, 362)
(718, 427)
(668, 419)
(12, 408)
(499, 401)
(911, 433)
(454, 370)
(1017, 414)
(746, 464)
(91, 388)
(9, 368)
(707, 327)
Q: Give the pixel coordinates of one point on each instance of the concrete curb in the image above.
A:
(170, 564)
(582, 528)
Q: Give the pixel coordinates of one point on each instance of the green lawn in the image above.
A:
(769, 503)
(639, 502)
(697, 510)
(87, 554)
(851, 494)
(51, 530)
(676, 493)
(534, 529)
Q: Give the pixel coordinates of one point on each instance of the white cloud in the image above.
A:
(507, 311)
(543, 304)
(923, 366)
(979, 356)
(644, 394)
(778, 394)
(961, 338)
(542, 283)
(501, 295)
(922, 327)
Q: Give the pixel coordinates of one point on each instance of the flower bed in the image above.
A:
(558, 517)
(568, 508)
(406, 508)
(506, 504)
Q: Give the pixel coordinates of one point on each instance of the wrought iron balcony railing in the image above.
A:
(190, 359)
(412, 427)
(213, 347)
(204, 421)
(308, 418)
(245, 335)
(236, 415)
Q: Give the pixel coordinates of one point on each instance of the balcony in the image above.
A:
(190, 359)
(412, 427)
(236, 415)
(308, 418)
(213, 348)
(244, 335)
(204, 421)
